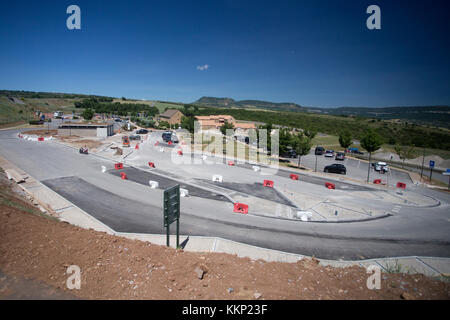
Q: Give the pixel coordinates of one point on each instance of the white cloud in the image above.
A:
(203, 67)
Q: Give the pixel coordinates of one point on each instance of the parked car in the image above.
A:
(118, 120)
(169, 136)
(381, 166)
(319, 151)
(135, 137)
(340, 156)
(329, 153)
(142, 131)
(290, 154)
(336, 168)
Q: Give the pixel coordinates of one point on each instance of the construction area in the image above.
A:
(302, 224)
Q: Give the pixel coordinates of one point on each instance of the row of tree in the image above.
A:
(116, 108)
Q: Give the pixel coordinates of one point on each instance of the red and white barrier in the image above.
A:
(123, 175)
(268, 183)
(293, 176)
(330, 185)
(240, 208)
(151, 164)
(401, 185)
(118, 166)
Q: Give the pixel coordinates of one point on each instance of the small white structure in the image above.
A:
(184, 192)
(217, 178)
(256, 168)
(304, 215)
(153, 184)
(103, 169)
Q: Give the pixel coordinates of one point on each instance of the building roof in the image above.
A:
(215, 117)
(245, 125)
(208, 123)
(169, 113)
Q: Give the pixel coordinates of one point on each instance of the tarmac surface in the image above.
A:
(131, 206)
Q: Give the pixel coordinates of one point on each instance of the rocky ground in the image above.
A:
(36, 251)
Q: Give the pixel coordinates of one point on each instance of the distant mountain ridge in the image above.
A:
(249, 104)
(429, 115)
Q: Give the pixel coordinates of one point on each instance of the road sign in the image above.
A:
(431, 164)
(171, 207)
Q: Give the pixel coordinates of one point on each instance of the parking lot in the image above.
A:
(356, 169)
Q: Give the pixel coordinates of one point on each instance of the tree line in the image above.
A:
(96, 105)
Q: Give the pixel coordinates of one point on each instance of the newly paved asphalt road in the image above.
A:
(134, 207)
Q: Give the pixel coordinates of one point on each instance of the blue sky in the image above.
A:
(314, 53)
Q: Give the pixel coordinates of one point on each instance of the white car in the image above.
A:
(329, 153)
(379, 166)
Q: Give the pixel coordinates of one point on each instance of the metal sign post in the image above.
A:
(431, 168)
(171, 210)
(447, 173)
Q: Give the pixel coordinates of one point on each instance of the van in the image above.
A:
(319, 151)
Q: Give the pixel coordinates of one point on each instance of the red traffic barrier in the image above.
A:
(180, 153)
(377, 181)
(169, 143)
(118, 166)
(137, 146)
(230, 163)
(41, 139)
(240, 208)
(330, 185)
(151, 164)
(123, 175)
(401, 185)
(268, 183)
(156, 143)
(293, 176)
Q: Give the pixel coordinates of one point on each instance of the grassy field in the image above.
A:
(11, 112)
(332, 142)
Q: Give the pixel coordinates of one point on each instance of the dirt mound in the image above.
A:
(39, 248)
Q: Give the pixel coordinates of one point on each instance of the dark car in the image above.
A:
(336, 168)
(340, 156)
(290, 154)
(142, 131)
(169, 136)
(135, 137)
(319, 151)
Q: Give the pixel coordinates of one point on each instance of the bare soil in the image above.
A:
(78, 142)
(38, 250)
(42, 132)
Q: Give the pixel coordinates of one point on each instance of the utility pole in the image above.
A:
(423, 162)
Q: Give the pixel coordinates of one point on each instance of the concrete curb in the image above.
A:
(430, 266)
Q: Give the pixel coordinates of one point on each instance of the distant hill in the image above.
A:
(438, 116)
(249, 104)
